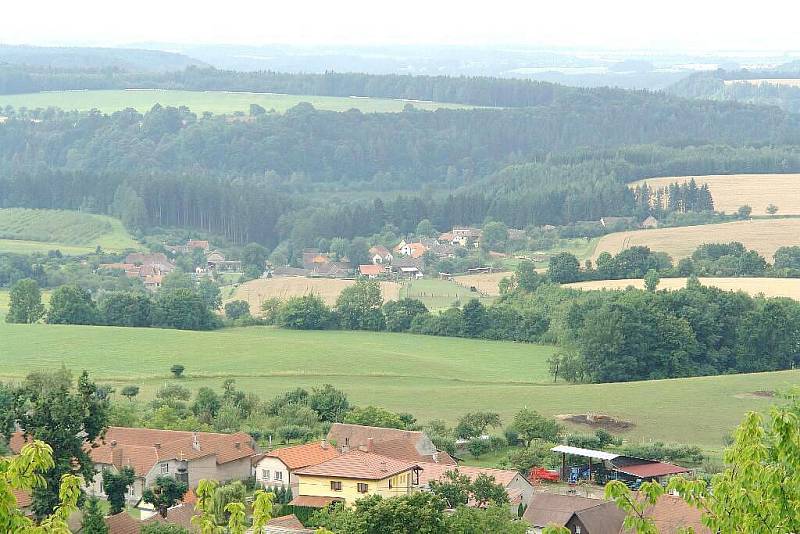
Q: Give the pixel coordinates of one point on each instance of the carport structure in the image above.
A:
(611, 466)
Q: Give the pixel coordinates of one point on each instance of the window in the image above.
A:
(164, 469)
(279, 475)
(390, 483)
(336, 485)
(362, 488)
(265, 474)
(131, 490)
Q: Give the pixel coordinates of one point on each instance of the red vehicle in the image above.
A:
(540, 474)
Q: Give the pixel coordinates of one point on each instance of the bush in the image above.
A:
(237, 309)
(308, 312)
(177, 370)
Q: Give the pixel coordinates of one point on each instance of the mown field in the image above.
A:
(26, 231)
(257, 291)
(217, 102)
(428, 376)
(755, 190)
(436, 294)
(770, 287)
(763, 235)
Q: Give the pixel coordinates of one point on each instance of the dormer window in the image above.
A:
(164, 469)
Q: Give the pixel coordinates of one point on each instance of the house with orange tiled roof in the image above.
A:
(352, 476)
(276, 467)
(186, 456)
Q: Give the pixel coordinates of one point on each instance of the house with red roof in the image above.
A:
(371, 271)
(276, 468)
(186, 456)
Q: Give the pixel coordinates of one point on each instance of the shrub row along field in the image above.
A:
(255, 292)
(217, 102)
(770, 287)
(72, 232)
(755, 190)
(763, 235)
(429, 376)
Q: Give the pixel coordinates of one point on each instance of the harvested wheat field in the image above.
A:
(257, 291)
(486, 284)
(762, 235)
(756, 190)
(770, 287)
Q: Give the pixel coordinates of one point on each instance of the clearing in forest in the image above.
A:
(217, 102)
(785, 82)
(770, 287)
(755, 190)
(762, 235)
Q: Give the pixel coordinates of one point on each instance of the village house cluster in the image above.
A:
(152, 267)
(355, 461)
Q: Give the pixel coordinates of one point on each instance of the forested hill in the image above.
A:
(77, 58)
(245, 179)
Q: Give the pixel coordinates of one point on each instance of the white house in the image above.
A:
(275, 468)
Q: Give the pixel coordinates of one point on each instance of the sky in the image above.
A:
(679, 25)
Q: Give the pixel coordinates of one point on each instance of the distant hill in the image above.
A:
(95, 58)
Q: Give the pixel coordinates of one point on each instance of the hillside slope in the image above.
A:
(72, 232)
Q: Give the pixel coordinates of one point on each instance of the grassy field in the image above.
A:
(770, 287)
(27, 230)
(756, 190)
(440, 294)
(218, 102)
(257, 291)
(428, 376)
(763, 235)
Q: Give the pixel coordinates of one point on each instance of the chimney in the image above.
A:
(370, 445)
(195, 441)
(324, 444)
(435, 457)
(113, 443)
(157, 445)
(238, 444)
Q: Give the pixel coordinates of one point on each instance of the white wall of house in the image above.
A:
(271, 471)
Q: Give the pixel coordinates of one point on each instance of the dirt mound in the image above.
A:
(760, 394)
(597, 420)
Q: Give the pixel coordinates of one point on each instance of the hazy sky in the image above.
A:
(690, 25)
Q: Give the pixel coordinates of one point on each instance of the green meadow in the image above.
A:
(430, 377)
(217, 102)
(25, 231)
